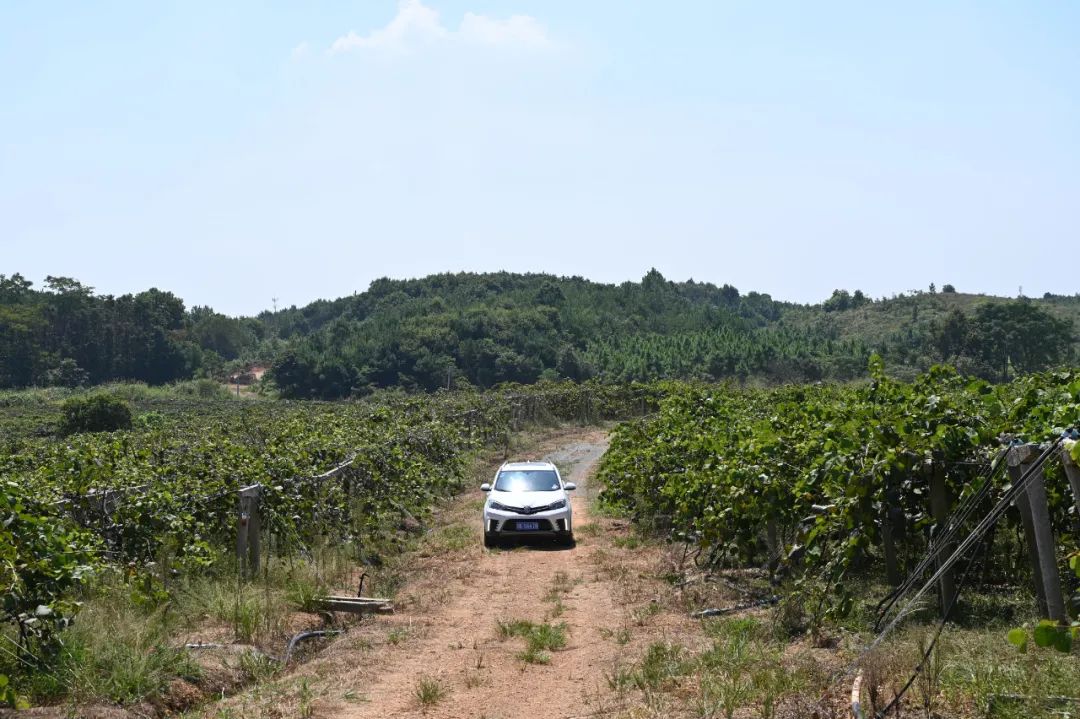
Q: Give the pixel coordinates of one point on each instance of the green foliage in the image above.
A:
(161, 497)
(997, 339)
(95, 413)
(42, 561)
(824, 467)
(66, 335)
(8, 695)
(461, 330)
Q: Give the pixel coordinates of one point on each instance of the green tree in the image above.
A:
(952, 338)
(1019, 336)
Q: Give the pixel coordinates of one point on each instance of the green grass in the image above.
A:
(743, 667)
(974, 666)
(398, 635)
(123, 648)
(429, 691)
(589, 530)
(513, 628)
(539, 638)
(630, 541)
(118, 652)
(620, 636)
(644, 613)
(551, 637)
(452, 538)
(663, 664)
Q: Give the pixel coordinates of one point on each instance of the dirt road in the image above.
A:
(458, 655)
(443, 655)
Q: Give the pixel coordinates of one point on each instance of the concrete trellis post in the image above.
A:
(1038, 532)
(248, 546)
(940, 507)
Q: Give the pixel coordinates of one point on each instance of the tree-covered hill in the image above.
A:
(484, 329)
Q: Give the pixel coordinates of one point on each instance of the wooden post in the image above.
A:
(248, 542)
(1041, 547)
(940, 507)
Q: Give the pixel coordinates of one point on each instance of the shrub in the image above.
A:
(201, 388)
(95, 413)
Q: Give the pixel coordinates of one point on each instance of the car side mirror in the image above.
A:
(569, 486)
(485, 487)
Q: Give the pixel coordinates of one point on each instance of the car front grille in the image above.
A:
(527, 511)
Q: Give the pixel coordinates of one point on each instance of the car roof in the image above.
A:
(528, 465)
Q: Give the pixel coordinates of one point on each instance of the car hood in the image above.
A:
(527, 499)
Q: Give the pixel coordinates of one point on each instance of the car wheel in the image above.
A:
(490, 541)
(568, 540)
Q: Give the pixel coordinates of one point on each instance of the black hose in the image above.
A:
(284, 661)
(301, 637)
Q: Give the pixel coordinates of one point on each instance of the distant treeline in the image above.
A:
(64, 334)
(484, 329)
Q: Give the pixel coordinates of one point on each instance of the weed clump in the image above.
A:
(539, 638)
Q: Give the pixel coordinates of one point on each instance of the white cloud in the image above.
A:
(516, 30)
(416, 24)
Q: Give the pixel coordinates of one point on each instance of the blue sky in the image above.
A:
(236, 152)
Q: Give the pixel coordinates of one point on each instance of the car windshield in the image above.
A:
(530, 480)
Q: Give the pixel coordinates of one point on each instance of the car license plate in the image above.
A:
(528, 526)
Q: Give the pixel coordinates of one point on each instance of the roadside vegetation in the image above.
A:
(119, 542)
(807, 505)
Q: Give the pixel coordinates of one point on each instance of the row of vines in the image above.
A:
(162, 497)
(813, 481)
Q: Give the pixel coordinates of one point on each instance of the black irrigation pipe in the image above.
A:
(302, 636)
(283, 660)
(767, 601)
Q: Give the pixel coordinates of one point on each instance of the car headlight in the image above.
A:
(499, 507)
(558, 505)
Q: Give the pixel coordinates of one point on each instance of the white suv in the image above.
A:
(528, 499)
